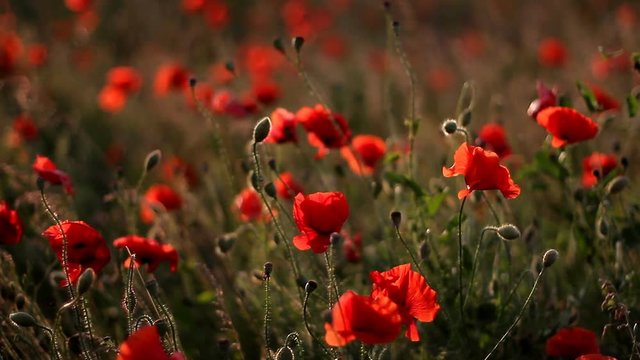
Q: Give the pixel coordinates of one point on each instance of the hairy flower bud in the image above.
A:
(508, 232)
(550, 257)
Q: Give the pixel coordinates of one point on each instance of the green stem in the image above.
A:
(306, 325)
(475, 262)
(460, 291)
(406, 246)
(267, 315)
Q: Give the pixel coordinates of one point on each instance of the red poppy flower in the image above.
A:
(216, 14)
(603, 163)
(25, 127)
(10, 51)
(170, 77)
(112, 99)
(145, 344)
(175, 167)
(86, 248)
(193, 5)
(221, 75)
(595, 357)
(249, 206)
(78, 6)
(47, 170)
(482, 171)
(546, 98)
(158, 196)
(552, 53)
(626, 16)
(265, 91)
(352, 247)
(286, 186)
(440, 78)
(283, 127)
(571, 342)
(416, 300)
(148, 251)
(369, 150)
(325, 129)
(317, 216)
(224, 102)
(566, 125)
(125, 78)
(334, 46)
(370, 320)
(10, 225)
(203, 92)
(606, 101)
(261, 61)
(602, 67)
(37, 54)
(493, 137)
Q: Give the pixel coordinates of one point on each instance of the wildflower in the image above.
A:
(86, 248)
(112, 99)
(546, 98)
(37, 54)
(78, 6)
(25, 127)
(602, 67)
(192, 6)
(249, 205)
(170, 77)
(176, 167)
(265, 91)
(283, 127)
(46, 169)
(602, 163)
(369, 150)
(370, 320)
(148, 251)
(125, 78)
(595, 357)
(286, 186)
(416, 300)
(566, 125)
(10, 225)
(492, 136)
(221, 74)
(325, 129)
(571, 342)
(10, 50)
(552, 53)
(216, 14)
(606, 101)
(482, 171)
(352, 248)
(145, 343)
(317, 216)
(203, 92)
(158, 195)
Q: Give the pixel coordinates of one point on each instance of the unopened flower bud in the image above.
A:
(40, 183)
(297, 43)
(284, 353)
(449, 126)
(193, 82)
(153, 288)
(550, 257)
(301, 281)
(268, 268)
(270, 189)
(396, 218)
(261, 130)
(310, 286)
(335, 238)
(279, 45)
(618, 184)
(272, 164)
(86, 280)
(229, 65)
(23, 319)
(162, 326)
(152, 159)
(509, 232)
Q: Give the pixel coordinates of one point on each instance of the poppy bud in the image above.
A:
(602, 227)
(618, 184)
(424, 250)
(85, 281)
(268, 268)
(272, 164)
(278, 45)
(297, 43)
(396, 218)
(152, 159)
(193, 82)
(261, 131)
(40, 183)
(549, 257)
(624, 161)
(20, 301)
(153, 288)
(285, 353)
(509, 232)
(310, 286)
(23, 319)
(449, 126)
(225, 243)
(335, 238)
(301, 281)
(270, 189)
(396, 27)
(162, 326)
(230, 67)
(465, 117)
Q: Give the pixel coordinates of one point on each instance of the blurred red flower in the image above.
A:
(78, 6)
(176, 167)
(266, 91)
(352, 248)
(626, 16)
(148, 251)
(370, 320)
(325, 129)
(224, 102)
(125, 78)
(317, 216)
(203, 92)
(46, 169)
(261, 61)
(571, 342)
(416, 300)
(440, 78)
(546, 98)
(566, 125)
(216, 14)
(606, 101)
(283, 127)
(145, 344)
(249, 206)
(112, 99)
(25, 127)
(170, 77)
(220, 74)
(37, 54)
(158, 196)
(193, 5)
(286, 186)
(603, 163)
(602, 67)
(334, 46)
(369, 150)
(493, 137)
(86, 248)
(10, 50)
(595, 357)
(10, 225)
(552, 52)
(482, 171)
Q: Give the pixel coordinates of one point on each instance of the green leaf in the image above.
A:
(434, 203)
(394, 178)
(588, 96)
(632, 105)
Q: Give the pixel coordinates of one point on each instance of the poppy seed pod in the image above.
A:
(261, 130)
(310, 286)
(550, 257)
(23, 319)
(508, 232)
(152, 159)
(449, 126)
(85, 281)
(396, 218)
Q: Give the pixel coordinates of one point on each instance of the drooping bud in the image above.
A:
(152, 159)
(310, 286)
(268, 268)
(396, 218)
(272, 164)
(40, 184)
(617, 184)
(85, 281)
(192, 82)
(285, 353)
(449, 126)
(270, 189)
(550, 257)
(23, 319)
(509, 232)
(162, 326)
(225, 242)
(261, 130)
(297, 43)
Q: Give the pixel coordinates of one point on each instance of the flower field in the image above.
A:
(305, 179)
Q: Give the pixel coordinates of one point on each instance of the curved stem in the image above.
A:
(406, 246)
(491, 208)
(306, 325)
(475, 262)
(460, 292)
